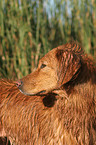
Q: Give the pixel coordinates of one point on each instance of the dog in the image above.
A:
(56, 104)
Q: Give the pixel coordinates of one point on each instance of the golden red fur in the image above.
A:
(57, 104)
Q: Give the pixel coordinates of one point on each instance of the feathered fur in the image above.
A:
(65, 116)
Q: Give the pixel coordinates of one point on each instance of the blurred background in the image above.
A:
(30, 28)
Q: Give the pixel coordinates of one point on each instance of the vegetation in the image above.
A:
(29, 29)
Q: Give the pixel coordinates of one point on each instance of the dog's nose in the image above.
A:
(19, 83)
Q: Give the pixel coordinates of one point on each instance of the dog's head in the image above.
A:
(55, 69)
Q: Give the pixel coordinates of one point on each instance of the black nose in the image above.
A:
(19, 83)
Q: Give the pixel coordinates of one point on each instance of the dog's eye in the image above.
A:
(42, 66)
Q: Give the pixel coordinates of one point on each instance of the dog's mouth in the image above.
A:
(34, 94)
(41, 93)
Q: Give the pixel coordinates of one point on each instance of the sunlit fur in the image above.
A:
(65, 115)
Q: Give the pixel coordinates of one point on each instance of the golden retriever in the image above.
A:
(55, 105)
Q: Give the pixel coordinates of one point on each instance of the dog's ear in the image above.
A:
(68, 65)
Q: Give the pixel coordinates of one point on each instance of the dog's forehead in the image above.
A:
(49, 57)
(53, 52)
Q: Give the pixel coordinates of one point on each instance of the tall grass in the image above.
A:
(29, 29)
